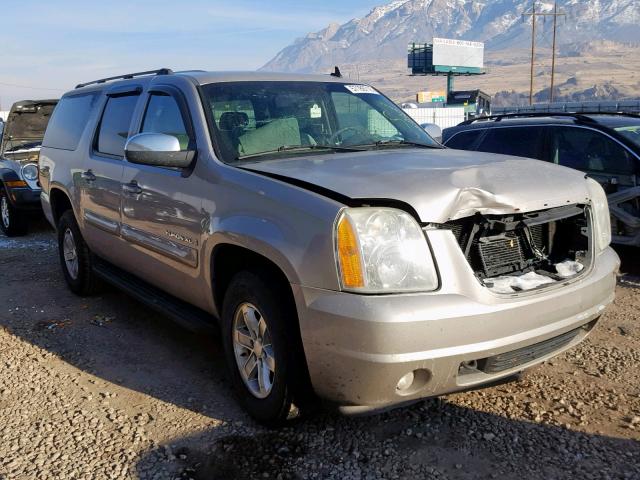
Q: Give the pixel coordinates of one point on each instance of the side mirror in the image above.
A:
(157, 149)
(433, 130)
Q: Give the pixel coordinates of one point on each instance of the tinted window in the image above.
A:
(163, 116)
(518, 141)
(589, 150)
(114, 126)
(630, 132)
(68, 121)
(464, 140)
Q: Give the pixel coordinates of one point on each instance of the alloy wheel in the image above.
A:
(253, 350)
(70, 254)
(4, 211)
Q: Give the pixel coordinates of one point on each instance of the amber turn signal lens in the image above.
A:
(16, 184)
(349, 255)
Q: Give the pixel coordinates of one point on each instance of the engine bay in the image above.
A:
(521, 252)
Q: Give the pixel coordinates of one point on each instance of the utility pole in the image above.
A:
(553, 57)
(533, 14)
(533, 47)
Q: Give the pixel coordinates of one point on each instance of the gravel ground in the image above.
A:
(100, 388)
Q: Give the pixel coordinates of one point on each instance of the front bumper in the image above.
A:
(358, 347)
(25, 198)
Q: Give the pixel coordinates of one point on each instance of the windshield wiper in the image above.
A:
(384, 143)
(302, 148)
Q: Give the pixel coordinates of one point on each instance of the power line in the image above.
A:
(533, 14)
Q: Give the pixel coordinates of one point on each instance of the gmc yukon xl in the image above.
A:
(342, 252)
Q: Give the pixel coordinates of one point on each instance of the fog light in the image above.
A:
(405, 382)
(413, 382)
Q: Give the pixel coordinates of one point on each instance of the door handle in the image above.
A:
(88, 176)
(132, 188)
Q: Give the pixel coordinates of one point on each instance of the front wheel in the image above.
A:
(11, 223)
(75, 257)
(258, 348)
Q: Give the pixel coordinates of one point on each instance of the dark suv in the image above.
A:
(21, 137)
(604, 146)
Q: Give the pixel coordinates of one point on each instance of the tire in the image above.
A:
(79, 275)
(259, 297)
(11, 222)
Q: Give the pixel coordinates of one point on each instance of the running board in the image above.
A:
(183, 313)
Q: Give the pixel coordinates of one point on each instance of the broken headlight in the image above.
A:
(383, 250)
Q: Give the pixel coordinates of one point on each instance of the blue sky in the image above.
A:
(52, 45)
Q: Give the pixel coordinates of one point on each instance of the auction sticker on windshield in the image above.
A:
(315, 111)
(361, 89)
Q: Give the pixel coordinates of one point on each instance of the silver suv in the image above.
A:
(343, 253)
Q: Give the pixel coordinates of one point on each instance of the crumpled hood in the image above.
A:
(440, 185)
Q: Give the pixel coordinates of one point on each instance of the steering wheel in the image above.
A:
(336, 135)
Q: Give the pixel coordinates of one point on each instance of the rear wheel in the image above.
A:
(260, 349)
(11, 223)
(75, 257)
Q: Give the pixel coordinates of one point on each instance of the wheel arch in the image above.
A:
(228, 258)
(60, 203)
(8, 175)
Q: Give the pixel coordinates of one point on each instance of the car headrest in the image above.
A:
(232, 120)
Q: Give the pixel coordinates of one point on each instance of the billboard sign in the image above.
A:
(458, 53)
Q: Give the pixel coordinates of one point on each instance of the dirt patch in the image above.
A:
(102, 387)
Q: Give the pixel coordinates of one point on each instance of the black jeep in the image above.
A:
(19, 151)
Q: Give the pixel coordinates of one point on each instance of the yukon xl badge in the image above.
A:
(177, 236)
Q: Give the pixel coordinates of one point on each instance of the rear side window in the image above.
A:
(464, 140)
(163, 116)
(518, 141)
(589, 150)
(68, 121)
(114, 126)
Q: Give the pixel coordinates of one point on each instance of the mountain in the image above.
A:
(384, 33)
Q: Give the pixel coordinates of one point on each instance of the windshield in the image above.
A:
(631, 132)
(261, 120)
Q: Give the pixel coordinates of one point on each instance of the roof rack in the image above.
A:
(161, 71)
(497, 118)
(582, 116)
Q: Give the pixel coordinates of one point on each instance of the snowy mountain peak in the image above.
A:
(387, 29)
(378, 12)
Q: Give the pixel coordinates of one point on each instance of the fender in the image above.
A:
(259, 235)
(8, 175)
(53, 186)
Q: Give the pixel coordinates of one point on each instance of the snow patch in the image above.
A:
(27, 243)
(379, 12)
(568, 268)
(513, 283)
(531, 280)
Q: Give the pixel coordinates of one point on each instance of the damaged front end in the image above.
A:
(525, 251)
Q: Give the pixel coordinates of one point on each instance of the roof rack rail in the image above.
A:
(160, 71)
(497, 118)
(582, 116)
